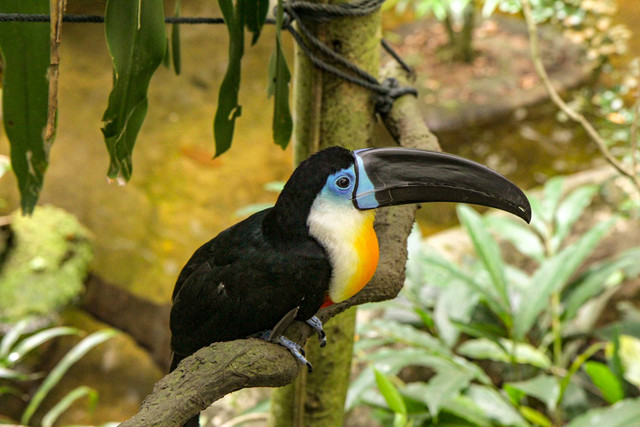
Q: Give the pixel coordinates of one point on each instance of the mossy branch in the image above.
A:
(225, 367)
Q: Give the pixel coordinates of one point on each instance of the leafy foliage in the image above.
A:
(17, 343)
(504, 346)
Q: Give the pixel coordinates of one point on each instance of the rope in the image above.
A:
(387, 92)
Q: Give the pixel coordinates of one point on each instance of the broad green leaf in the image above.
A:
(536, 417)
(454, 304)
(519, 235)
(136, 39)
(279, 78)
(489, 331)
(537, 217)
(496, 406)
(602, 377)
(390, 393)
(437, 263)
(175, 41)
(36, 340)
(56, 374)
(63, 404)
(487, 248)
(255, 14)
(552, 193)
(12, 336)
(577, 364)
(597, 278)
(463, 407)
(625, 413)
(545, 388)
(228, 108)
(409, 335)
(629, 354)
(569, 211)
(482, 348)
(25, 89)
(552, 276)
(442, 388)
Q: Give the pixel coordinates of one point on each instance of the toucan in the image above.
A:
(316, 246)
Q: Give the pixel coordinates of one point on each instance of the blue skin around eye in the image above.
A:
(364, 197)
(333, 191)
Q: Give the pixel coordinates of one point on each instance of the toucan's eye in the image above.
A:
(343, 182)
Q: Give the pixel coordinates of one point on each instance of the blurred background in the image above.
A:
(106, 247)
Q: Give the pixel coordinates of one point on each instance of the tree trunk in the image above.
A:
(329, 111)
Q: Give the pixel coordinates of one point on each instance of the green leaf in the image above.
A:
(25, 59)
(605, 380)
(409, 335)
(622, 414)
(36, 340)
(482, 348)
(136, 39)
(496, 406)
(228, 108)
(56, 374)
(487, 248)
(463, 407)
(569, 211)
(454, 304)
(255, 14)
(519, 235)
(596, 278)
(536, 417)
(279, 78)
(537, 216)
(175, 41)
(545, 388)
(12, 374)
(489, 7)
(551, 199)
(390, 393)
(441, 389)
(63, 404)
(552, 276)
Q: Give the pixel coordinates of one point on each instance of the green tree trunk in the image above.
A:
(328, 112)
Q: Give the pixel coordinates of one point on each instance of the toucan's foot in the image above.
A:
(316, 325)
(296, 350)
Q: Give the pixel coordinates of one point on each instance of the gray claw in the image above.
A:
(296, 350)
(316, 325)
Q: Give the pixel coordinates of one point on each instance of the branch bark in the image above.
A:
(225, 367)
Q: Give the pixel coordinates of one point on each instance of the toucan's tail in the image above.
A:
(195, 421)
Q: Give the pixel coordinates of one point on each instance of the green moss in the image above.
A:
(47, 265)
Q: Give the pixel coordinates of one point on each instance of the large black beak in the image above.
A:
(397, 176)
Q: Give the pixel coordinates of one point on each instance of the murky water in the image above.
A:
(179, 197)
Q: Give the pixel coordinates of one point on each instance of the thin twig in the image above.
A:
(557, 99)
(57, 12)
(633, 139)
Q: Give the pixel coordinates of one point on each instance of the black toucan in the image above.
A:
(317, 245)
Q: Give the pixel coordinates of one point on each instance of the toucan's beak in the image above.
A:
(397, 176)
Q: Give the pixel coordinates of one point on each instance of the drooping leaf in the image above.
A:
(454, 304)
(543, 387)
(552, 194)
(623, 414)
(553, 275)
(605, 380)
(12, 336)
(535, 416)
(36, 340)
(136, 39)
(228, 108)
(56, 374)
(279, 79)
(25, 57)
(462, 406)
(255, 14)
(409, 335)
(482, 348)
(175, 41)
(487, 248)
